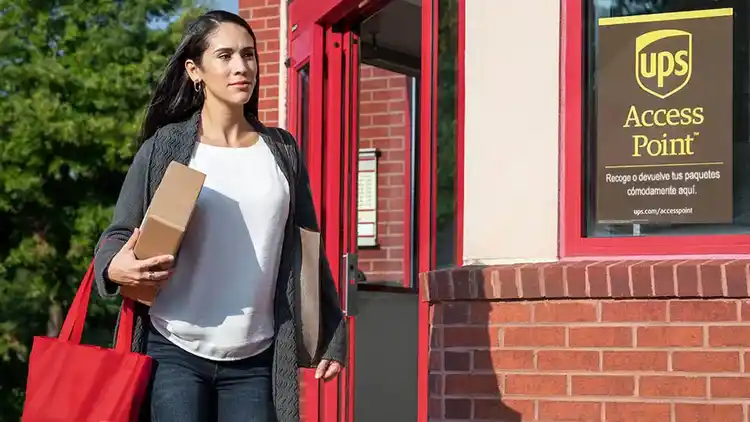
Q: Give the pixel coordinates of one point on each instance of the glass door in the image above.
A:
(368, 138)
(371, 179)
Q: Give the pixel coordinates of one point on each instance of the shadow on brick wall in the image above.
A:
(465, 348)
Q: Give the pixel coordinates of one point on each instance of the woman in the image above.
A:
(222, 328)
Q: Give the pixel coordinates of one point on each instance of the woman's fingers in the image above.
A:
(333, 369)
(161, 262)
(327, 369)
(152, 276)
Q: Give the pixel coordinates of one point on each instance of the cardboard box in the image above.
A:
(166, 221)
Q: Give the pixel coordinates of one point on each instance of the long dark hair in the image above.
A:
(175, 99)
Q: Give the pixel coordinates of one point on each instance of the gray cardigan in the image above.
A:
(175, 142)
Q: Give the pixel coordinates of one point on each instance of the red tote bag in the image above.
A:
(71, 382)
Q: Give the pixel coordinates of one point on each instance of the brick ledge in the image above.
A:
(617, 279)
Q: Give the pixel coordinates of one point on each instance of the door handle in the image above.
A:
(349, 286)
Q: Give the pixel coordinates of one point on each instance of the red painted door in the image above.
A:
(305, 84)
(360, 103)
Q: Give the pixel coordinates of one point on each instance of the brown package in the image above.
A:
(166, 221)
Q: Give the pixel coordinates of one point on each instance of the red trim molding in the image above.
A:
(624, 279)
(573, 242)
(426, 188)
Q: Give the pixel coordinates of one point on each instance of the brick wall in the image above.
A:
(532, 343)
(264, 18)
(385, 124)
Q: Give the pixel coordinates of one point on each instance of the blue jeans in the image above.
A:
(188, 388)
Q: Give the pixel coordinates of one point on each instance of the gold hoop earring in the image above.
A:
(197, 86)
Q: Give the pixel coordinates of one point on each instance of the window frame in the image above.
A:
(573, 241)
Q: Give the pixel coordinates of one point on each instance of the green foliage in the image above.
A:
(75, 77)
(446, 112)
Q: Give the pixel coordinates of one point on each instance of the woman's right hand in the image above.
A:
(127, 270)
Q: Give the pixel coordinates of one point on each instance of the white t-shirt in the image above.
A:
(219, 302)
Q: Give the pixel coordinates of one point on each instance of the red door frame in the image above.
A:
(309, 24)
(350, 45)
(427, 191)
(306, 49)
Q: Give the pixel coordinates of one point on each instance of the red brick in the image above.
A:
(558, 360)
(435, 409)
(711, 278)
(706, 361)
(457, 408)
(388, 119)
(268, 103)
(373, 84)
(273, 45)
(371, 107)
(669, 336)
(503, 360)
(507, 281)
(436, 359)
(736, 279)
(530, 281)
(535, 385)
(596, 277)
(602, 385)
(373, 132)
(687, 279)
(554, 283)
(634, 361)
(570, 411)
(730, 387)
(671, 386)
(436, 382)
(703, 310)
(264, 12)
(601, 337)
(453, 312)
(480, 337)
(533, 336)
(457, 361)
(634, 311)
(472, 384)
(619, 280)
(729, 336)
(565, 311)
(386, 95)
(503, 410)
(575, 279)
(500, 313)
(643, 283)
(436, 336)
(705, 412)
(632, 412)
(664, 278)
(393, 266)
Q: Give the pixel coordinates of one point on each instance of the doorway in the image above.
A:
(356, 105)
(386, 328)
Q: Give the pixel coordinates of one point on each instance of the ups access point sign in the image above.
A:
(664, 118)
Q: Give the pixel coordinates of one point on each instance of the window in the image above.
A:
(645, 205)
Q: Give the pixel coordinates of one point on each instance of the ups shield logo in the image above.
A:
(663, 61)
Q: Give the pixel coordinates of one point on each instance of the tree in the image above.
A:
(75, 77)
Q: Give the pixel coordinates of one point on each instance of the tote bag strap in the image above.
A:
(72, 329)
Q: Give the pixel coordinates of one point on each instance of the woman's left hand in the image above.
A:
(327, 369)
